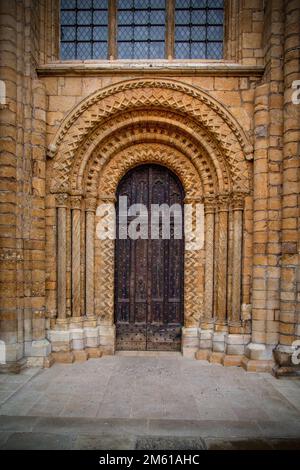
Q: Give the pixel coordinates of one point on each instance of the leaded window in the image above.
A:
(199, 29)
(84, 29)
(142, 29)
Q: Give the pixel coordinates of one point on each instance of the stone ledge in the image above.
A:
(162, 67)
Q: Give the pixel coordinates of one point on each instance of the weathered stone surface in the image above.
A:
(228, 129)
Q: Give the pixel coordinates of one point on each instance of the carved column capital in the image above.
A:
(106, 199)
(223, 202)
(210, 203)
(193, 199)
(91, 204)
(237, 200)
(61, 200)
(75, 202)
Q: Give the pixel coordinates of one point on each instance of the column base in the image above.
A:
(252, 365)
(14, 367)
(80, 341)
(286, 358)
(190, 342)
(214, 357)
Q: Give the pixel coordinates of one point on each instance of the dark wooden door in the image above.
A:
(149, 272)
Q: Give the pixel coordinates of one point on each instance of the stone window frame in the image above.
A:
(230, 39)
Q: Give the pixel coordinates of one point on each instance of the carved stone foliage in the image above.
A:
(190, 102)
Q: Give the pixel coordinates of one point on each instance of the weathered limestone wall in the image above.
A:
(289, 318)
(23, 135)
(263, 39)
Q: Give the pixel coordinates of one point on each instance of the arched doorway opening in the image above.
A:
(149, 269)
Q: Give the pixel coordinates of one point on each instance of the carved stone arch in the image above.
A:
(171, 95)
(155, 126)
(153, 153)
(109, 178)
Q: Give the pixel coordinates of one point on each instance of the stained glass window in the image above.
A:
(199, 29)
(84, 29)
(141, 29)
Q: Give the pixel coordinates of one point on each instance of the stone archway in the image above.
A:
(147, 121)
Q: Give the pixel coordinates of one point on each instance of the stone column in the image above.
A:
(220, 279)
(10, 255)
(289, 319)
(206, 331)
(76, 284)
(237, 212)
(61, 204)
(209, 208)
(90, 208)
(221, 274)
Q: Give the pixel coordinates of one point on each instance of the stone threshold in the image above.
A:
(162, 68)
(172, 354)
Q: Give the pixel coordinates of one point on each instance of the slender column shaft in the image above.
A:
(222, 258)
(61, 202)
(90, 235)
(237, 257)
(209, 209)
(76, 282)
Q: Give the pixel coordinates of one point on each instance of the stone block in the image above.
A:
(216, 357)
(41, 348)
(65, 357)
(203, 354)
(232, 360)
(80, 356)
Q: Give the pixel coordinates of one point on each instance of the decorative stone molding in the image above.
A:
(181, 99)
(61, 200)
(171, 87)
(11, 256)
(75, 202)
(90, 204)
(154, 153)
(151, 126)
(238, 200)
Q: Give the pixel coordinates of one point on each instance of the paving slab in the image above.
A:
(132, 397)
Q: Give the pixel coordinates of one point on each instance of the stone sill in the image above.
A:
(159, 67)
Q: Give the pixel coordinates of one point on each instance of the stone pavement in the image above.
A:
(147, 401)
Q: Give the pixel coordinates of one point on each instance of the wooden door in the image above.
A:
(149, 272)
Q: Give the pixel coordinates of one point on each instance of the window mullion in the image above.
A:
(112, 29)
(170, 28)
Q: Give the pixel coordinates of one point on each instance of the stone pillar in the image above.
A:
(209, 208)
(220, 279)
(289, 319)
(237, 210)
(61, 203)
(76, 242)
(221, 273)
(11, 255)
(90, 208)
(207, 322)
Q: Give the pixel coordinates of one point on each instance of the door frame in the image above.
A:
(162, 329)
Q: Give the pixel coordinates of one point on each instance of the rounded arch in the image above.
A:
(156, 153)
(186, 102)
(152, 127)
